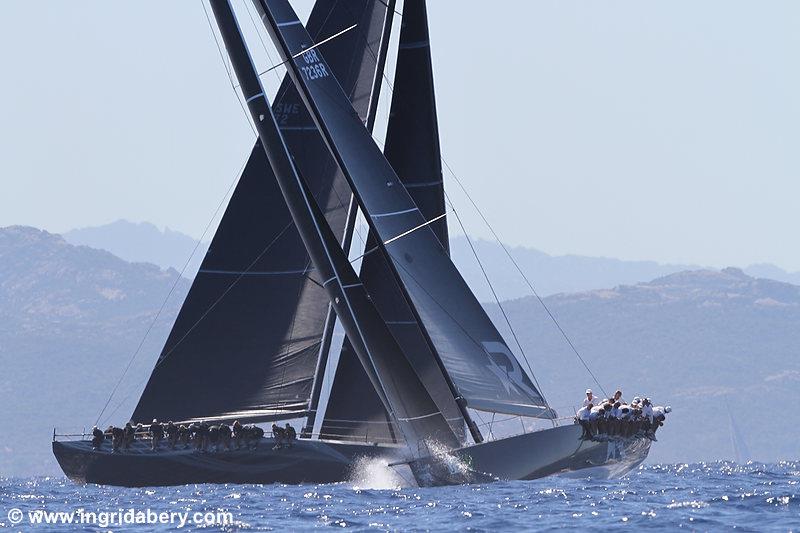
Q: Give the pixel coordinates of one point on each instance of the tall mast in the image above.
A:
(403, 395)
(352, 212)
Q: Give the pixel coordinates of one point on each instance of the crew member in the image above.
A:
(225, 436)
(590, 399)
(97, 438)
(117, 438)
(156, 432)
(584, 418)
(172, 434)
(129, 431)
(238, 433)
(278, 433)
(213, 437)
(183, 435)
(256, 433)
(290, 435)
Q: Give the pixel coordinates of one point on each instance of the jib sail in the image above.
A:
(482, 367)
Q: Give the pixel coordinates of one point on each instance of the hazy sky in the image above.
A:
(647, 130)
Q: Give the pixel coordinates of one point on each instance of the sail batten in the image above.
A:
(248, 338)
(476, 357)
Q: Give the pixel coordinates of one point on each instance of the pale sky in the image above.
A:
(639, 130)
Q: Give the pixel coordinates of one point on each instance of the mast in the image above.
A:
(402, 393)
(352, 212)
(412, 148)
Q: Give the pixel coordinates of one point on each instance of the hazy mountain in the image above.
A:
(141, 242)
(553, 274)
(549, 274)
(701, 341)
(71, 317)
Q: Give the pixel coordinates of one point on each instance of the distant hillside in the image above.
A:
(553, 274)
(549, 274)
(696, 340)
(70, 319)
(142, 242)
(72, 316)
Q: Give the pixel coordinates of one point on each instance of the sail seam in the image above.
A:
(254, 97)
(254, 273)
(423, 184)
(418, 44)
(393, 213)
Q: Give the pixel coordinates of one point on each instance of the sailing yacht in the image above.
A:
(420, 358)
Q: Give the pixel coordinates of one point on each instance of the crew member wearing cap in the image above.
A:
(590, 399)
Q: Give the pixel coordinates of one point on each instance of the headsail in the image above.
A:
(412, 148)
(404, 396)
(247, 339)
(482, 366)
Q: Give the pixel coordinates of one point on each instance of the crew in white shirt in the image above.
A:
(589, 398)
(647, 409)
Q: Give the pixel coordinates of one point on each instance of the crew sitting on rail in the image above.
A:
(238, 433)
(156, 432)
(291, 435)
(614, 418)
(253, 434)
(97, 438)
(279, 434)
(183, 435)
(128, 436)
(202, 436)
(117, 438)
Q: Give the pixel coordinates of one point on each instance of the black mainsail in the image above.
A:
(247, 340)
(412, 148)
(479, 362)
(393, 377)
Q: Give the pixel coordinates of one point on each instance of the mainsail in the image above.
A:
(412, 148)
(247, 339)
(393, 377)
(481, 365)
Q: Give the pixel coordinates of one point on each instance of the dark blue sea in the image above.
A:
(696, 497)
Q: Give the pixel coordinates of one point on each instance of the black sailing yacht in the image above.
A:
(251, 343)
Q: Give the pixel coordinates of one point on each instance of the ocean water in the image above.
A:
(696, 497)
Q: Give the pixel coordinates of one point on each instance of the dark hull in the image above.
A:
(308, 461)
(531, 456)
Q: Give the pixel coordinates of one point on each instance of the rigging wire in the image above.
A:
(260, 38)
(390, 87)
(164, 356)
(227, 70)
(171, 290)
(524, 277)
(219, 206)
(497, 300)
